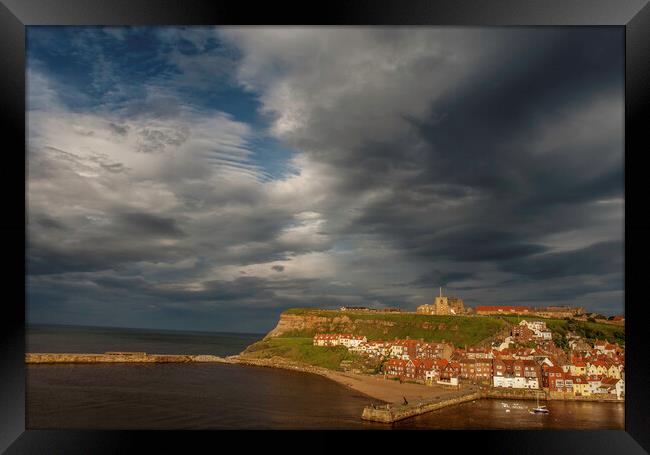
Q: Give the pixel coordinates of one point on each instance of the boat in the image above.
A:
(540, 409)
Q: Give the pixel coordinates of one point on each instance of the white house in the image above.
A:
(620, 389)
(372, 348)
(505, 344)
(351, 341)
(515, 382)
(451, 381)
(397, 350)
(327, 339)
(534, 325)
(431, 375)
(543, 334)
(595, 384)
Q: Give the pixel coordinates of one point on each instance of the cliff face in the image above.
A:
(291, 323)
(305, 324)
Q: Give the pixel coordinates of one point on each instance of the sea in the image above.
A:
(223, 396)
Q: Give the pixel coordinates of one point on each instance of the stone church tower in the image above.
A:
(443, 306)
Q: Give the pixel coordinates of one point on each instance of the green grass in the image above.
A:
(301, 350)
(459, 330)
(589, 330)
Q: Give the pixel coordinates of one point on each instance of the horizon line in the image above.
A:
(34, 324)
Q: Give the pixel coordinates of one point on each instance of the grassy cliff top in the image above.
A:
(459, 330)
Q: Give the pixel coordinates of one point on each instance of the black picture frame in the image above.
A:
(634, 15)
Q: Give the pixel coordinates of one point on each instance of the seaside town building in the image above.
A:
(581, 386)
(433, 375)
(395, 367)
(516, 374)
(476, 370)
(578, 368)
(351, 341)
(449, 374)
(474, 352)
(548, 312)
(620, 388)
(502, 310)
(363, 309)
(597, 370)
(326, 339)
(434, 350)
(331, 339)
(553, 379)
(405, 349)
(537, 329)
(560, 312)
(521, 333)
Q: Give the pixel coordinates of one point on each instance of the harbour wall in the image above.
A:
(117, 357)
(532, 394)
(393, 413)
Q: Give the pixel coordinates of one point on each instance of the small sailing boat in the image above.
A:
(539, 409)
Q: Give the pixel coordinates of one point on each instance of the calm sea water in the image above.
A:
(216, 396)
(98, 339)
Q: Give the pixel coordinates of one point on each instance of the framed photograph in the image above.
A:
(369, 217)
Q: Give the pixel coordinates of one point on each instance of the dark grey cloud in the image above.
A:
(149, 224)
(440, 278)
(602, 258)
(45, 222)
(118, 129)
(94, 254)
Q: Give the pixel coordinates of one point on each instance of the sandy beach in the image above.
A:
(376, 387)
(392, 391)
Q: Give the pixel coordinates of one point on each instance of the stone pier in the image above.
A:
(392, 413)
(118, 357)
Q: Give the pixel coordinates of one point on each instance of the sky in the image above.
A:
(207, 178)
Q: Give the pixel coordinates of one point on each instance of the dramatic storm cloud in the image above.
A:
(208, 178)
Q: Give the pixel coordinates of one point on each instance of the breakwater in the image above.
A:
(392, 413)
(143, 357)
(118, 357)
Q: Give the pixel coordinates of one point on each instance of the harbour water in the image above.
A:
(219, 396)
